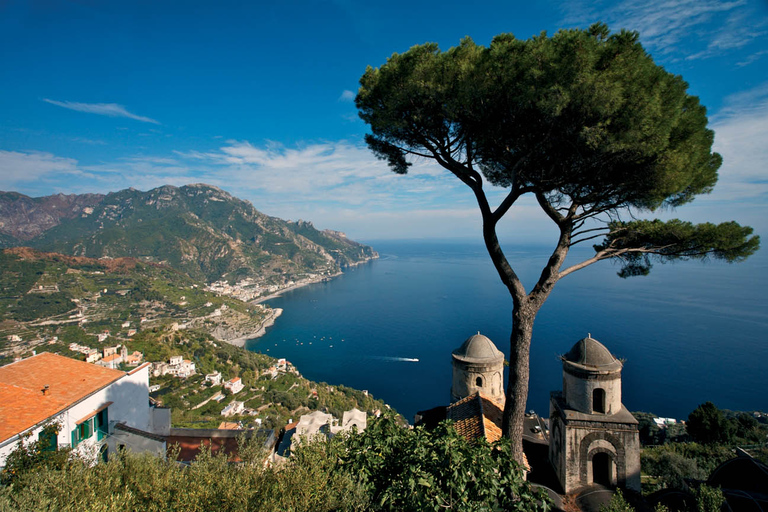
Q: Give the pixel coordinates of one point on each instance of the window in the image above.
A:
(48, 440)
(102, 424)
(598, 400)
(479, 382)
(82, 432)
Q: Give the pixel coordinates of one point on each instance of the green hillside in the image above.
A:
(49, 300)
(198, 229)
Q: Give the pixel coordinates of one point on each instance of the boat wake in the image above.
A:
(396, 359)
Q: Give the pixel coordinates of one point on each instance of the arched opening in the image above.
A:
(598, 400)
(479, 382)
(602, 466)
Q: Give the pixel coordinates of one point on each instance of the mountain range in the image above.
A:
(198, 229)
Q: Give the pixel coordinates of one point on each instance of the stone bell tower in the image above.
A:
(478, 366)
(594, 439)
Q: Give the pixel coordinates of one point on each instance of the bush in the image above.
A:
(415, 469)
(387, 467)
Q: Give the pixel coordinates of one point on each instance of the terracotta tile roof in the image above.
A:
(190, 446)
(228, 425)
(22, 402)
(476, 416)
(479, 416)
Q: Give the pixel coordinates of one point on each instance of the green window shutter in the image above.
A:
(76, 436)
(48, 441)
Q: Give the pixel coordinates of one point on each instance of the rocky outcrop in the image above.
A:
(23, 217)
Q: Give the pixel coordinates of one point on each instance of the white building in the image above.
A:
(97, 410)
(213, 378)
(234, 385)
(186, 369)
(111, 361)
(232, 408)
(320, 425)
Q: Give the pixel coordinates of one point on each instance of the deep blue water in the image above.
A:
(689, 332)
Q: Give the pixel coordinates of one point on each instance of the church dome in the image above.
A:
(477, 349)
(590, 354)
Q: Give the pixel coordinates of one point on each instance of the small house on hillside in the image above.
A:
(95, 410)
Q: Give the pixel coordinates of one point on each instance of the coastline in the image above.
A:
(276, 312)
(307, 282)
(269, 321)
(294, 286)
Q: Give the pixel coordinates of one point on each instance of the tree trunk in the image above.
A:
(519, 371)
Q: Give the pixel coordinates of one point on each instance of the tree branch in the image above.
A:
(611, 253)
(550, 210)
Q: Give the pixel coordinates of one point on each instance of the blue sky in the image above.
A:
(256, 97)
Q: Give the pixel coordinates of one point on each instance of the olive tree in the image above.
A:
(584, 122)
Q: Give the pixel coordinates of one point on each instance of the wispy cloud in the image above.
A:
(741, 132)
(692, 29)
(347, 96)
(102, 109)
(18, 167)
(85, 140)
(751, 58)
(338, 172)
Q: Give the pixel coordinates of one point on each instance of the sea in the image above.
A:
(688, 333)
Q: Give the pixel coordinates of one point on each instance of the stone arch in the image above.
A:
(610, 455)
(585, 455)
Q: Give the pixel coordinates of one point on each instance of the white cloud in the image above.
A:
(328, 172)
(741, 132)
(24, 167)
(103, 109)
(691, 28)
(347, 96)
(751, 58)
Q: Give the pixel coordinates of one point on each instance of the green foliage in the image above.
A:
(583, 114)
(677, 240)
(707, 424)
(322, 476)
(415, 469)
(33, 456)
(32, 306)
(709, 499)
(617, 504)
(18, 276)
(673, 464)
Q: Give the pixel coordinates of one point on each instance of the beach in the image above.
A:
(269, 321)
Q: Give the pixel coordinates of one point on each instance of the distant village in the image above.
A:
(249, 289)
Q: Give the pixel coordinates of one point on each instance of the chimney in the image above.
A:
(45, 390)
